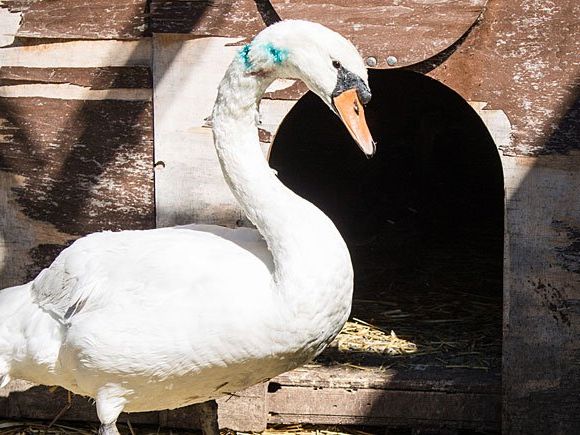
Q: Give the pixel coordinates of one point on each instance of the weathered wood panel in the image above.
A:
(189, 184)
(412, 398)
(523, 58)
(226, 18)
(75, 129)
(409, 30)
(290, 405)
(186, 73)
(442, 380)
(84, 19)
(244, 411)
(134, 77)
(78, 54)
(542, 312)
(73, 157)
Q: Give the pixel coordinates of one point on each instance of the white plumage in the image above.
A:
(158, 319)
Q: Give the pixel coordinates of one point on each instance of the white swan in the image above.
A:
(159, 319)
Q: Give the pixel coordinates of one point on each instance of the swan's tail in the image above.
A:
(15, 304)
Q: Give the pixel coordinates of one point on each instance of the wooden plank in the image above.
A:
(542, 311)
(21, 238)
(409, 30)
(226, 18)
(45, 403)
(80, 19)
(244, 411)
(93, 78)
(290, 405)
(184, 144)
(432, 380)
(293, 92)
(9, 23)
(78, 54)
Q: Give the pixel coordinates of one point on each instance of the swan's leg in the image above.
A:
(108, 429)
(110, 402)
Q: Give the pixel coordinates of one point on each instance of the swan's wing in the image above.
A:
(149, 267)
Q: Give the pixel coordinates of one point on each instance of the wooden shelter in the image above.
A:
(467, 220)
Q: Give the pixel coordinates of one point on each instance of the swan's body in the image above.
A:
(158, 319)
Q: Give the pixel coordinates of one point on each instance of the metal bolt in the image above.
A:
(371, 61)
(391, 60)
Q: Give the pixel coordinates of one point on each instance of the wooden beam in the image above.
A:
(289, 405)
(458, 398)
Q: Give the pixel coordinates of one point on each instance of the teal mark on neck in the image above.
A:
(244, 54)
(278, 55)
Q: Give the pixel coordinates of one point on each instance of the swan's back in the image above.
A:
(150, 267)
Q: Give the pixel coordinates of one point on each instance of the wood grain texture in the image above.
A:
(457, 380)
(542, 313)
(84, 19)
(244, 411)
(226, 18)
(78, 54)
(189, 184)
(94, 78)
(410, 30)
(459, 398)
(65, 162)
(289, 405)
(523, 59)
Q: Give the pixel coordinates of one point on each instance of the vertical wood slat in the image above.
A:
(189, 184)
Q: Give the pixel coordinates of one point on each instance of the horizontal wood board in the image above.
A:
(409, 30)
(433, 379)
(225, 18)
(133, 77)
(291, 405)
(80, 19)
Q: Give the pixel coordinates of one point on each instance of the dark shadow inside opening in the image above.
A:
(423, 219)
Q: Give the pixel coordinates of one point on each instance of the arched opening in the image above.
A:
(423, 219)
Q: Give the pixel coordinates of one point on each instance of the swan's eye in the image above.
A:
(336, 64)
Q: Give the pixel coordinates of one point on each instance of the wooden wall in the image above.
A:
(76, 126)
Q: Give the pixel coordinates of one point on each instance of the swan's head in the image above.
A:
(329, 64)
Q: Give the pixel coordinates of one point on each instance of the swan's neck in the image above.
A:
(307, 249)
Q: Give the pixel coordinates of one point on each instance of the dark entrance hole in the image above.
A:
(423, 219)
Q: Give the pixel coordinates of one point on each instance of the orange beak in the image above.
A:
(351, 111)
